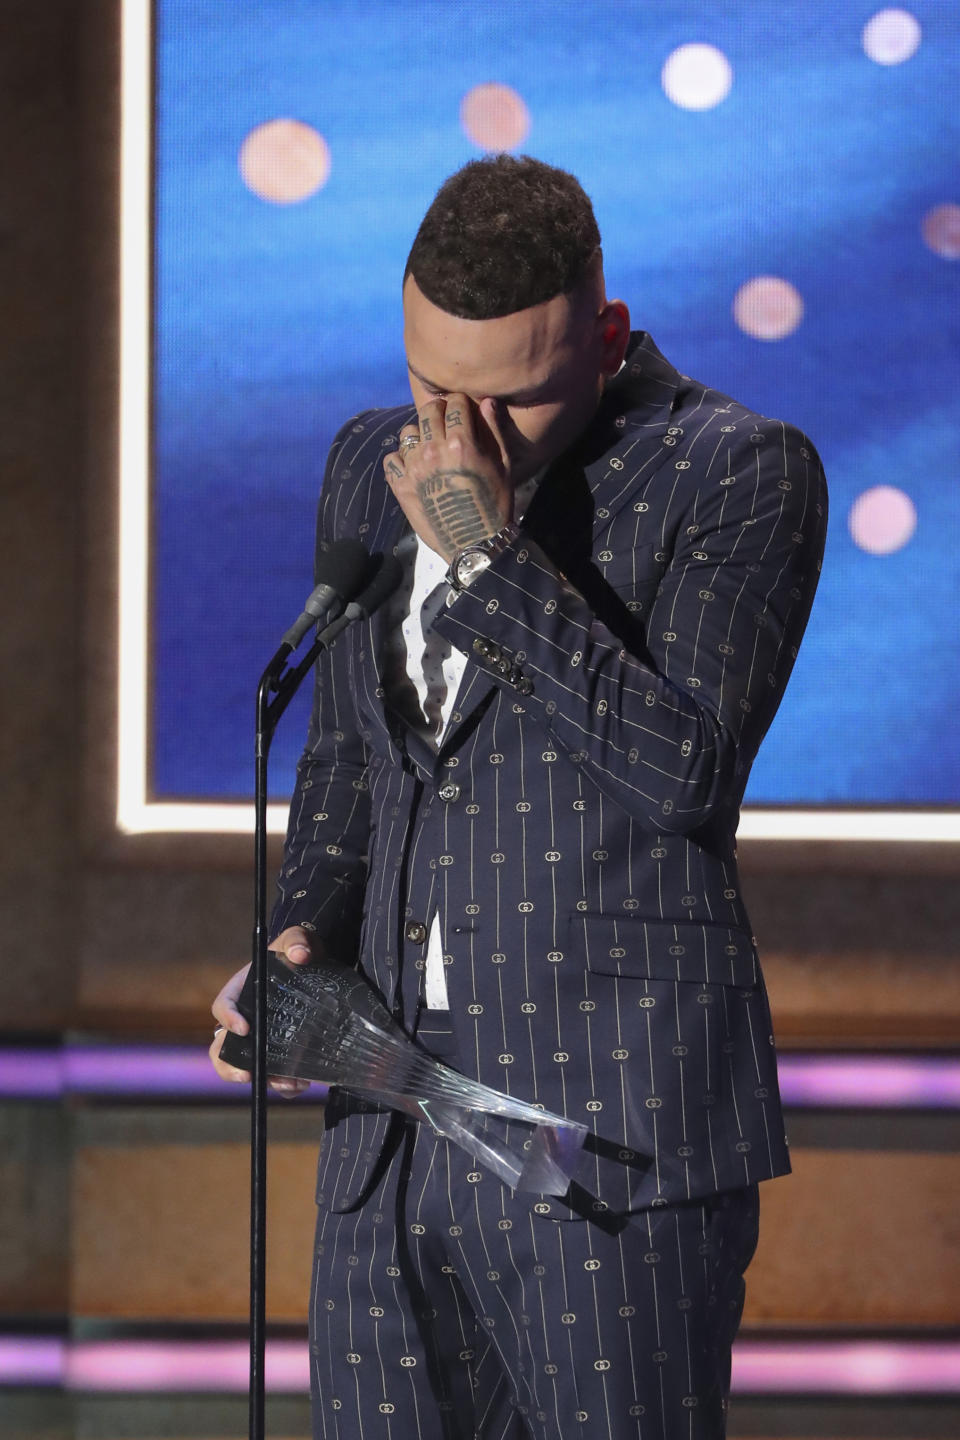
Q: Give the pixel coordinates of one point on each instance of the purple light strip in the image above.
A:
(870, 1081)
(183, 1071)
(760, 1367)
(31, 1074)
(32, 1360)
(148, 1069)
(161, 1071)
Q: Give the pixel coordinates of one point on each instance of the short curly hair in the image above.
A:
(502, 234)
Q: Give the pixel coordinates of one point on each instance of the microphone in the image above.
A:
(341, 570)
(386, 578)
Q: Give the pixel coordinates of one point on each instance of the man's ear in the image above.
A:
(614, 324)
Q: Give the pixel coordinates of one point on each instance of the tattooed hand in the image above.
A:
(454, 485)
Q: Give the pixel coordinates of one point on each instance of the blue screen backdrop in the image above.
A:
(776, 183)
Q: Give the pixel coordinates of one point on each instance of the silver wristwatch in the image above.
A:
(471, 562)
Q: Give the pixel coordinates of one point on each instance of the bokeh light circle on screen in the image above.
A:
(820, 144)
(494, 117)
(882, 520)
(696, 77)
(284, 161)
(941, 230)
(891, 36)
(767, 307)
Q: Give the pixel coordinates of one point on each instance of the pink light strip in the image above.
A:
(846, 1368)
(806, 1081)
(760, 1367)
(183, 1366)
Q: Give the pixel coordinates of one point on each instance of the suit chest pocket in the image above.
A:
(665, 950)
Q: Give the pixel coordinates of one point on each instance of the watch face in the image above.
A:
(470, 564)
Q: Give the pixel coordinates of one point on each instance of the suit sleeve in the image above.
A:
(324, 871)
(666, 719)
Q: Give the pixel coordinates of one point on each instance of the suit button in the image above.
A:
(487, 650)
(504, 667)
(449, 791)
(416, 932)
(525, 685)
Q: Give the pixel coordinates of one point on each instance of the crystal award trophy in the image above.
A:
(325, 1022)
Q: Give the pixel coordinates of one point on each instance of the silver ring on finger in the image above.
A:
(219, 1031)
(407, 442)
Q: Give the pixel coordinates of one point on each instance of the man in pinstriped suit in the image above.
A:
(516, 810)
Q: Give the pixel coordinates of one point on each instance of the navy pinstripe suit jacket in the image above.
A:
(575, 833)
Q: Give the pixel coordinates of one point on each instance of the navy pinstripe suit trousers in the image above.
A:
(447, 1309)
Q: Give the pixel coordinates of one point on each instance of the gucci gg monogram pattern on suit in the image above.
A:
(574, 834)
(447, 1308)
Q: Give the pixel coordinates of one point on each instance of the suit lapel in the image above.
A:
(631, 436)
(626, 443)
(383, 537)
(384, 541)
(581, 492)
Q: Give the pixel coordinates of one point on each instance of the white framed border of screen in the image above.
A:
(136, 812)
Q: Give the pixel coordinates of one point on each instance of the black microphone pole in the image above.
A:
(349, 565)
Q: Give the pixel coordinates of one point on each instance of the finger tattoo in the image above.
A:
(425, 429)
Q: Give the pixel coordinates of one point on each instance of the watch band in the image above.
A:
(474, 559)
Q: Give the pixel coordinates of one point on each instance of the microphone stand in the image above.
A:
(281, 684)
(277, 688)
